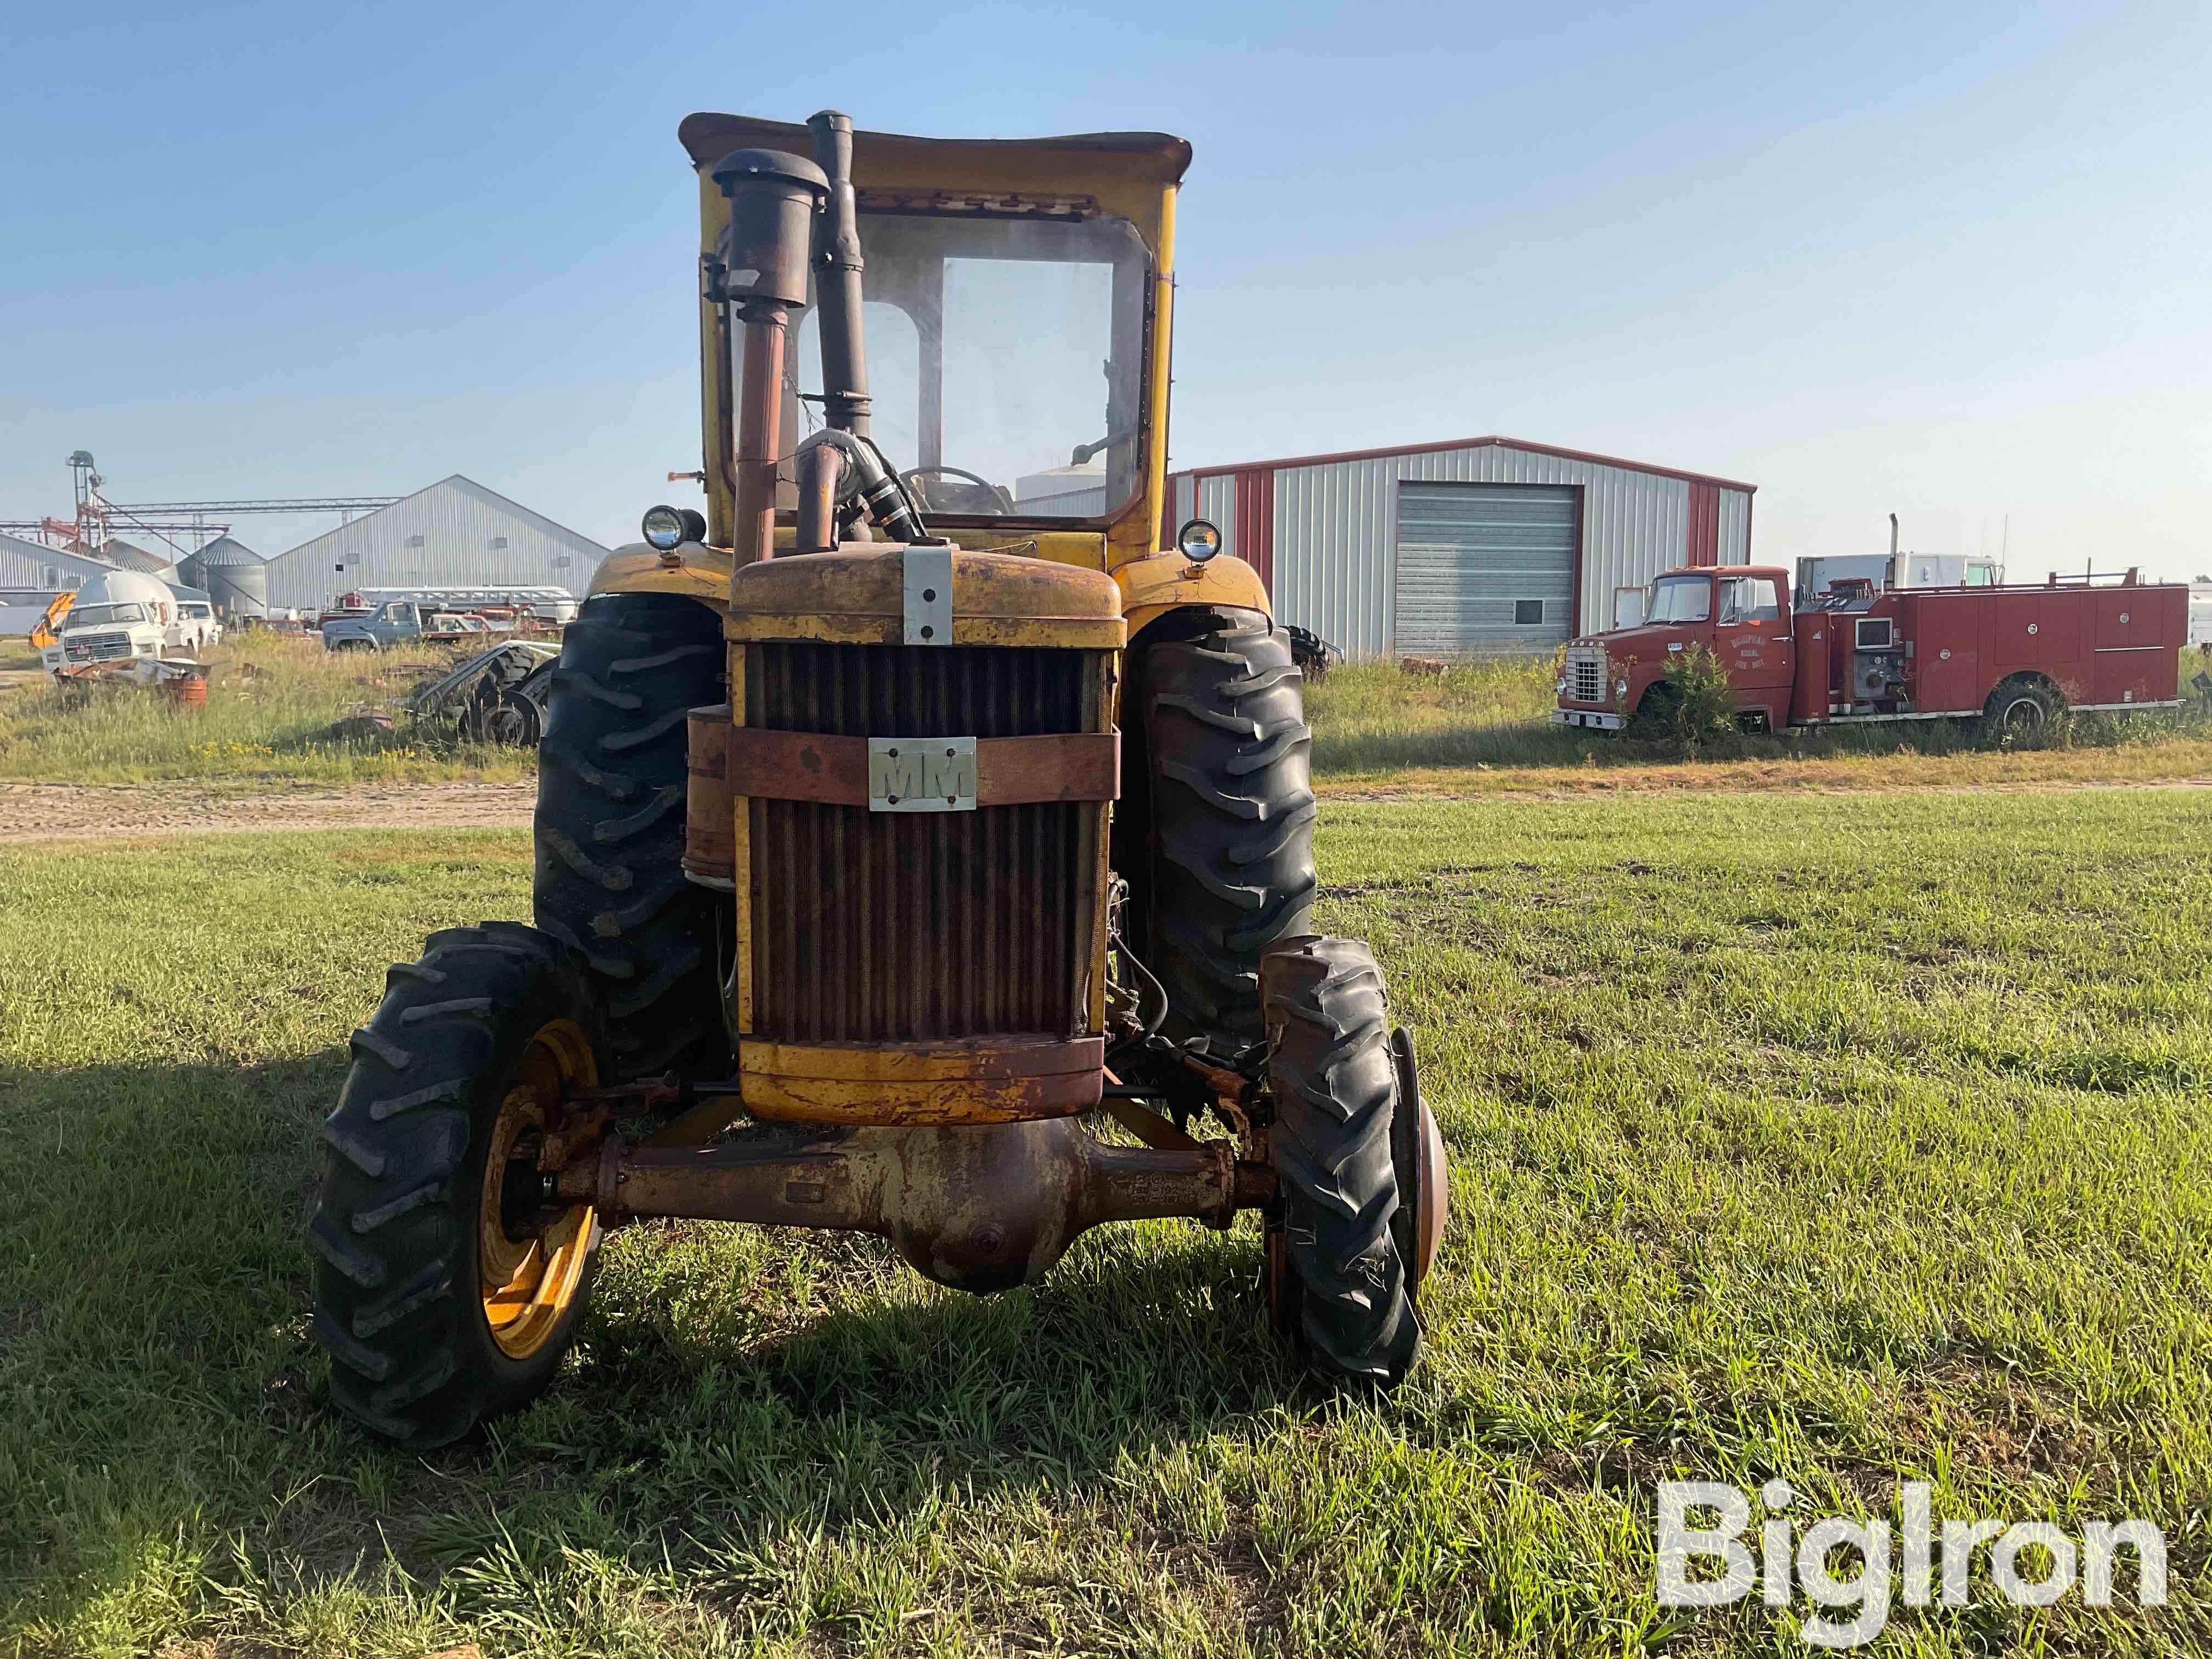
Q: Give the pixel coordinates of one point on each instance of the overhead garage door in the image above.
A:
(1484, 570)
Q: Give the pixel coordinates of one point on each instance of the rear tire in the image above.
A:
(1339, 1282)
(429, 1225)
(2020, 711)
(1226, 866)
(611, 789)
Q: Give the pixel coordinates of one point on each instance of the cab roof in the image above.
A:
(1155, 158)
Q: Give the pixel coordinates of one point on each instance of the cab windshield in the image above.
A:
(1006, 361)
(1680, 599)
(103, 615)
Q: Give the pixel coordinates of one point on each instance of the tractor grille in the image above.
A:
(1586, 674)
(895, 927)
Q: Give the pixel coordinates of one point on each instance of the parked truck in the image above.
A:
(2015, 655)
(397, 621)
(122, 616)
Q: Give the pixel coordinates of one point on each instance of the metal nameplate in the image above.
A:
(922, 774)
(928, 595)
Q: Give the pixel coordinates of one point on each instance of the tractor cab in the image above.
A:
(1016, 312)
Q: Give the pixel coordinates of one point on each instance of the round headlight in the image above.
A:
(664, 528)
(1199, 540)
(1620, 688)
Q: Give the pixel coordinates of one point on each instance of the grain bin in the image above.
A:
(235, 576)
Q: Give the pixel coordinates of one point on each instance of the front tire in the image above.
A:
(1226, 867)
(1340, 1280)
(610, 826)
(446, 1292)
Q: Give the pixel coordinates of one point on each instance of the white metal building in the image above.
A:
(31, 575)
(1474, 547)
(454, 534)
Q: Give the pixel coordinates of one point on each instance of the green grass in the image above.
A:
(1478, 727)
(1375, 723)
(271, 702)
(1852, 1139)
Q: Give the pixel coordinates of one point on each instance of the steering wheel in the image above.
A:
(974, 494)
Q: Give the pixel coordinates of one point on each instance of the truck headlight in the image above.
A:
(1620, 688)
(1560, 684)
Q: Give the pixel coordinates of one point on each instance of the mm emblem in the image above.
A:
(922, 774)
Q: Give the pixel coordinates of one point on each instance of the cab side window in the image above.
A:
(1751, 599)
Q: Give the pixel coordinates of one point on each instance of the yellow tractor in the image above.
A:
(901, 820)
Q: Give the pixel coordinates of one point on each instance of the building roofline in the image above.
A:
(24, 547)
(464, 482)
(1491, 441)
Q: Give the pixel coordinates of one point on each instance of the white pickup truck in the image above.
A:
(120, 617)
(197, 628)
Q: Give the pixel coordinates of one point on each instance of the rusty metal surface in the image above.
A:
(709, 832)
(977, 1208)
(819, 471)
(999, 1080)
(857, 595)
(760, 420)
(871, 927)
(833, 770)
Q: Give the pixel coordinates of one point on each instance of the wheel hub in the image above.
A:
(530, 1260)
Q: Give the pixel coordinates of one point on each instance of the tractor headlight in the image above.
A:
(664, 529)
(1200, 541)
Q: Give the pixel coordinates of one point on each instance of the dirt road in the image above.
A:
(56, 812)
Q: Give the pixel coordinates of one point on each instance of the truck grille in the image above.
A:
(100, 647)
(894, 927)
(1586, 675)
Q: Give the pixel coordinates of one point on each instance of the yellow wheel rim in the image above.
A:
(529, 1285)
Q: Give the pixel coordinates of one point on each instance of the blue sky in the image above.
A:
(1955, 262)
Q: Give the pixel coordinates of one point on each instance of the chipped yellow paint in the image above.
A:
(983, 1080)
(700, 572)
(1152, 586)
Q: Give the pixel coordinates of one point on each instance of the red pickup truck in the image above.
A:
(2015, 655)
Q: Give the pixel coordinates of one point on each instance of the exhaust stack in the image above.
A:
(838, 266)
(773, 199)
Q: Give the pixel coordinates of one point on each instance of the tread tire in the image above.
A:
(609, 827)
(1348, 1299)
(1227, 816)
(2002, 720)
(395, 1234)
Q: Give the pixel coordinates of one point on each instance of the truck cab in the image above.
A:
(195, 626)
(396, 621)
(1741, 613)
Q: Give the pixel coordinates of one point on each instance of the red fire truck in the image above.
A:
(2013, 655)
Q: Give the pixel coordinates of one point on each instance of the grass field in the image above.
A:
(1479, 728)
(1851, 1138)
(1483, 727)
(272, 700)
